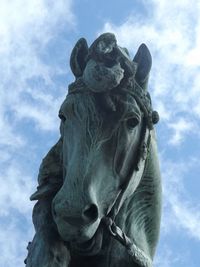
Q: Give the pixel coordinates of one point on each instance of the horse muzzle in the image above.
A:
(74, 227)
(83, 240)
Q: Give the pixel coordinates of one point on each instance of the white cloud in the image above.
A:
(15, 214)
(16, 188)
(27, 94)
(25, 30)
(188, 216)
(166, 258)
(180, 128)
(43, 112)
(13, 242)
(171, 31)
(181, 211)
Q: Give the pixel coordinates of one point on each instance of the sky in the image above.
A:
(36, 39)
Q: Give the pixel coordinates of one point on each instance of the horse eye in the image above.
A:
(62, 117)
(131, 123)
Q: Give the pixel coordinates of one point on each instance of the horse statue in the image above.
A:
(99, 193)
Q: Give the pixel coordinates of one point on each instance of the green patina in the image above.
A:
(99, 193)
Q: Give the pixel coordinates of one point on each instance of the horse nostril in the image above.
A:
(90, 213)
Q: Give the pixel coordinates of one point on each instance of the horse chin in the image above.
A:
(85, 241)
(90, 247)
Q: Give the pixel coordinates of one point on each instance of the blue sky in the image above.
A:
(36, 40)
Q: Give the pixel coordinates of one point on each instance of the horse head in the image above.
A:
(101, 129)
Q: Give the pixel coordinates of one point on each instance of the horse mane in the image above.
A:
(50, 176)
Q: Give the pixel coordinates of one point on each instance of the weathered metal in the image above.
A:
(99, 193)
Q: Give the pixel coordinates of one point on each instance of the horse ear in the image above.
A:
(79, 57)
(144, 60)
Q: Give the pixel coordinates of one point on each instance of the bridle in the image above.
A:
(151, 117)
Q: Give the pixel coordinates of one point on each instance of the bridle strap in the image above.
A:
(130, 186)
(134, 178)
(134, 251)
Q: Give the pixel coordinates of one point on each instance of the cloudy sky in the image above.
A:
(36, 38)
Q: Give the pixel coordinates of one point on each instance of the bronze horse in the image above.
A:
(99, 193)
